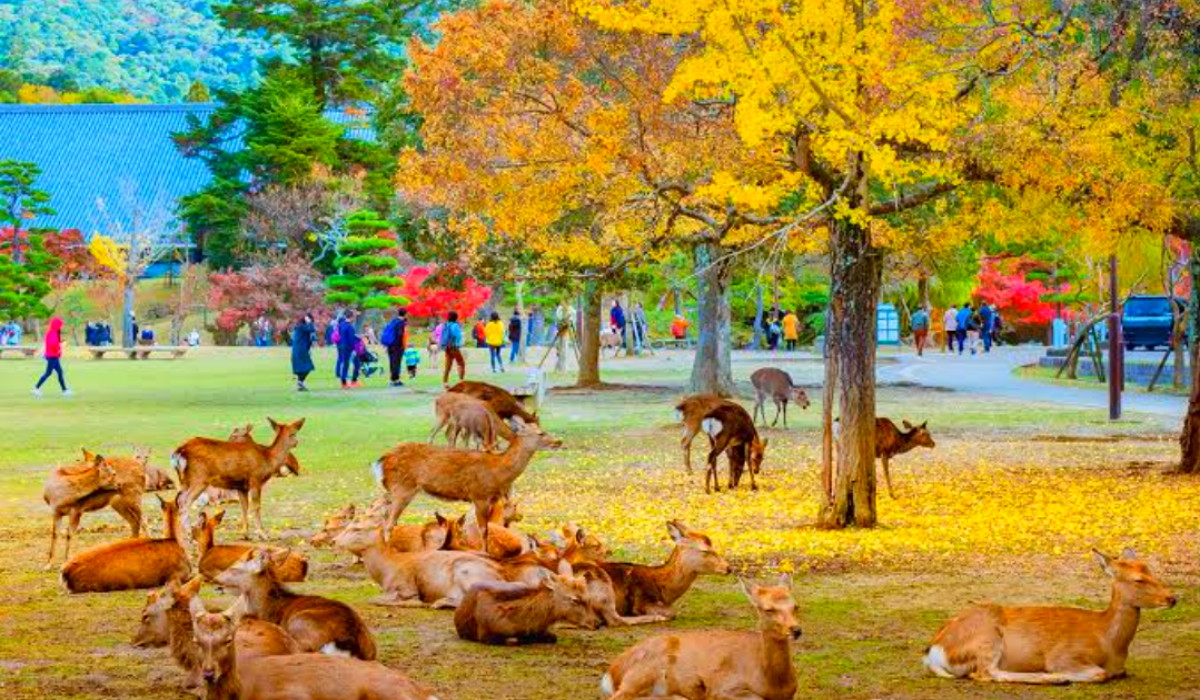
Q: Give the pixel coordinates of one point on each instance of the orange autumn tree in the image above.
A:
(543, 131)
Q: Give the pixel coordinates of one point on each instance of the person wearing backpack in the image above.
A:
(514, 336)
(393, 338)
(493, 335)
(451, 341)
(347, 340)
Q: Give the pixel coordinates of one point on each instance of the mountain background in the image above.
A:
(152, 49)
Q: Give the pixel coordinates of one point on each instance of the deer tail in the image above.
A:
(712, 426)
(179, 464)
(377, 471)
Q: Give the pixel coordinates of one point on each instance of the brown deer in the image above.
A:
(775, 384)
(498, 540)
(289, 567)
(1050, 645)
(130, 564)
(514, 613)
(716, 664)
(439, 578)
(316, 623)
(333, 525)
(889, 442)
(651, 590)
(502, 402)
(463, 414)
(158, 480)
(585, 554)
(691, 412)
(733, 434)
(233, 670)
(166, 621)
(243, 466)
(78, 489)
(456, 475)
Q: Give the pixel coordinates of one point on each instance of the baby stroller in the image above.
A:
(368, 362)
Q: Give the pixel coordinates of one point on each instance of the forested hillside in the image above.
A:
(153, 49)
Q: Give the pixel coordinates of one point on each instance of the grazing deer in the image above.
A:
(456, 475)
(289, 567)
(775, 384)
(242, 466)
(80, 488)
(733, 433)
(651, 590)
(233, 670)
(1050, 645)
(463, 414)
(889, 442)
(502, 402)
(691, 412)
(130, 564)
(438, 578)
(316, 623)
(716, 664)
(514, 613)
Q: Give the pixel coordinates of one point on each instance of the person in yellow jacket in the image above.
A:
(493, 335)
(791, 329)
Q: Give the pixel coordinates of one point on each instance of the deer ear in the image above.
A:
(906, 424)
(1104, 561)
(924, 425)
(298, 424)
(581, 536)
(219, 516)
(1128, 553)
(675, 531)
(441, 519)
(749, 589)
(161, 502)
(202, 520)
(88, 455)
(196, 608)
(764, 443)
(192, 587)
(236, 611)
(274, 424)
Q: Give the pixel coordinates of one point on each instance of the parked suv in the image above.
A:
(1146, 320)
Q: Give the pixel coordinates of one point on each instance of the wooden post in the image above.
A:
(1116, 370)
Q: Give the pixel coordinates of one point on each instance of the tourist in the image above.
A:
(304, 334)
(920, 329)
(514, 336)
(493, 335)
(791, 329)
(451, 341)
(679, 327)
(395, 338)
(616, 319)
(347, 340)
(53, 355)
(641, 327)
(193, 339)
(966, 317)
(996, 326)
(987, 319)
(479, 333)
(537, 327)
(412, 358)
(950, 324)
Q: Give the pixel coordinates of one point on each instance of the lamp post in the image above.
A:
(1116, 363)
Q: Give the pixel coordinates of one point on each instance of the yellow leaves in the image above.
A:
(108, 253)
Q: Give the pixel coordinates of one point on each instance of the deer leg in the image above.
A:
(131, 512)
(256, 501)
(785, 403)
(184, 502)
(55, 520)
(399, 501)
(887, 475)
(441, 424)
(244, 500)
(689, 434)
(72, 528)
(483, 508)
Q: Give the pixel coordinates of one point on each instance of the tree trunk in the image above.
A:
(757, 341)
(127, 336)
(677, 297)
(1189, 438)
(589, 337)
(923, 290)
(523, 347)
(712, 372)
(856, 273)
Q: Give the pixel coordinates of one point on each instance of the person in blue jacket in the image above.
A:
(347, 340)
(987, 319)
(965, 321)
(451, 342)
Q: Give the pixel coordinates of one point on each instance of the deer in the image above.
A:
(166, 622)
(243, 466)
(74, 490)
(463, 414)
(515, 613)
(214, 495)
(233, 669)
(456, 475)
(733, 433)
(502, 402)
(889, 442)
(699, 665)
(497, 540)
(1051, 645)
(289, 567)
(333, 524)
(316, 623)
(776, 385)
(692, 411)
(140, 562)
(158, 480)
(439, 579)
(652, 590)
(583, 552)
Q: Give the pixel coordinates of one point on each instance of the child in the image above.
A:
(412, 358)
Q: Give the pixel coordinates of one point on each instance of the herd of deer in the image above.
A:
(504, 586)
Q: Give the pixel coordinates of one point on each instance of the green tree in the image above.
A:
(20, 201)
(366, 272)
(24, 283)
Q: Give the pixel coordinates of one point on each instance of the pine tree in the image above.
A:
(20, 201)
(367, 273)
(198, 92)
(24, 283)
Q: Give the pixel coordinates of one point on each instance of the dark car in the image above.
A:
(1147, 321)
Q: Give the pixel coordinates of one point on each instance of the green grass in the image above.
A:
(865, 623)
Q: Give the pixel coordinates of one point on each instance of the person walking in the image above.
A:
(791, 329)
(493, 334)
(987, 319)
(53, 356)
(347, 342)
(304, 335)
(479, 333)
(920, 328)
(950, 325)
(395, 338)
(514, 336)
(641, 327)
(616, 318)
(451, 342)
(966, 317)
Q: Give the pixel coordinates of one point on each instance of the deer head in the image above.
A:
(918, 434)
(242, 433)
(1133, 582)
(696, 550)
(581, 545)
(154, 630)
(571, 597)
(775, 606)
(800, 397)
(285, 433)
(757, 452)
(214, 634)
(360, 536)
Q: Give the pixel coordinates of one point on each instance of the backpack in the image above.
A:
(389, 332)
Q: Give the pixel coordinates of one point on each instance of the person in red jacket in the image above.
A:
(53, 355)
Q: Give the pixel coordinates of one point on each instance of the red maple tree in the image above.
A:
(1006, 285)
(431, 295)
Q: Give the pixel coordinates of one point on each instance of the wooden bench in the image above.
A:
(23, 350)
(139, 352)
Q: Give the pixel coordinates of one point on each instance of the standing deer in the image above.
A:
(90, 485)
(473, 418)
(691, 412)
(705, 665)
(652, 590)
(889, 442)
(456, 475)
(733, 433)
(214, 558)
(1050, 645)
(242, 466)
(130, 564)
(514, 613)
(776, 385)
(502, 402)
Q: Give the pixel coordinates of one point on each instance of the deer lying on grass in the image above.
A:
(167, 622)
(316, 623)
(242, 466)
(456, 475)
(584, 552)
(514, 613)
(333, 525)
(889, 442)
(439, 579)
(497, 540)
(1050, 645)
(716, 664)
(502, 402)
(733, 433)
(234, 670)
(80, 488)
(691, 412)
(775, 384)
(651, 590)
(288, 566)
(130, 564)
(473, 418)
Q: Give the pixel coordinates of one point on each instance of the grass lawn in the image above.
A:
(1005, 508)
